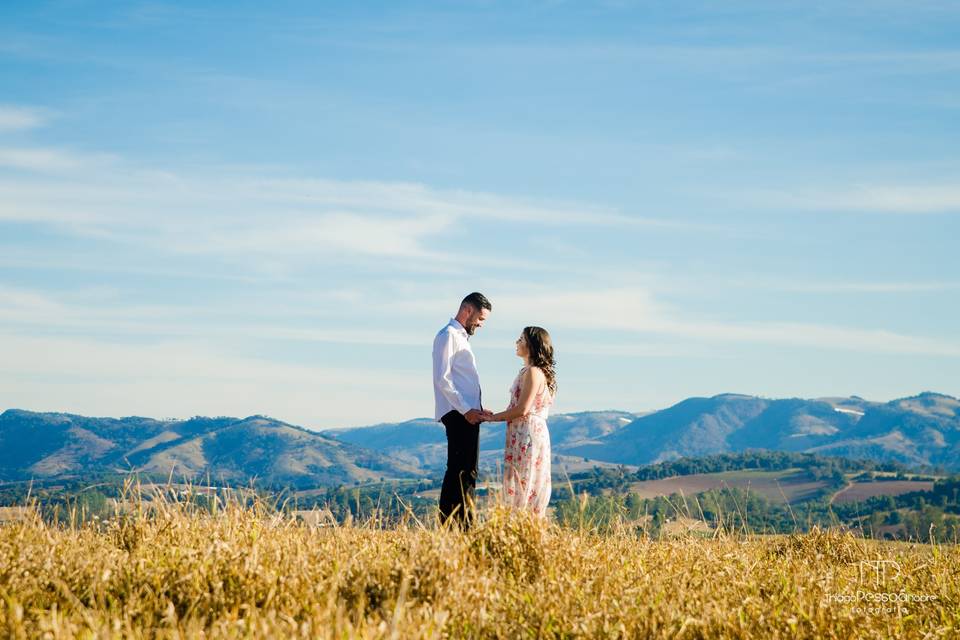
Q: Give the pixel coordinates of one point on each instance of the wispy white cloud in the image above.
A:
(98, 311)
(183, 379)
(36, 159)
(46, 260)
(34, 304)
(14, 118)
(877, 341)
(868, 287)
(336, 231)
(753, 282)
(638, 311)
(272, 223)
(652, 348)
(625, 312)
(405, 196)
(214, 216)
(866, 198)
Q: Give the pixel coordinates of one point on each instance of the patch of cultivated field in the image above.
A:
(564, 464)
(14, 514)
(242, 572)
(859, 491)
(775, 485)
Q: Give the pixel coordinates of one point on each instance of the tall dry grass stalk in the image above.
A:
(163, 568)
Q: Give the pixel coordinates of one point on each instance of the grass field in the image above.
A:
(774, 485)
(170, 570)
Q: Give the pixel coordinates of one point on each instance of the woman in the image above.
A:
(526, 468)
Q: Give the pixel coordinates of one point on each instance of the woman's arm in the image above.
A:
(533, 378)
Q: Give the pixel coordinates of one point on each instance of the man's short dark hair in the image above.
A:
(478, 301)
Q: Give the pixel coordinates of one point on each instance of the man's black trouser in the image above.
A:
(460, 480)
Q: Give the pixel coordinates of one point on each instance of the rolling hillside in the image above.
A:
(919, 431)
(424, 442)
(57, 445)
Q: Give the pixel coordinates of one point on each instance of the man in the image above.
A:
(456, 389)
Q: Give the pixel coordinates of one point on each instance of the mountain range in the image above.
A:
(228, 450)
(423, 441)
(920, 431)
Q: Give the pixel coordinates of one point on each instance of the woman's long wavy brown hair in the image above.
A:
(541, 354)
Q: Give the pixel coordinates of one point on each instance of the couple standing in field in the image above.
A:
(456, 385)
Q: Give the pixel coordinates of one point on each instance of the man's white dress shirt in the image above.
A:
(456, 383)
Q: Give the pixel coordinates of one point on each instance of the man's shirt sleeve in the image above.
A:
(444, 348)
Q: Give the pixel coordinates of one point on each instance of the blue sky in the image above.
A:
(229, 208)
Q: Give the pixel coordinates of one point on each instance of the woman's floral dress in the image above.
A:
(526, 469)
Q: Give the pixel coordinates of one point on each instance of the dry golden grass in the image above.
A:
(170, 570)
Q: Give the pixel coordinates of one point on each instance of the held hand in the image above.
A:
(487, 415)
(473, 416)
